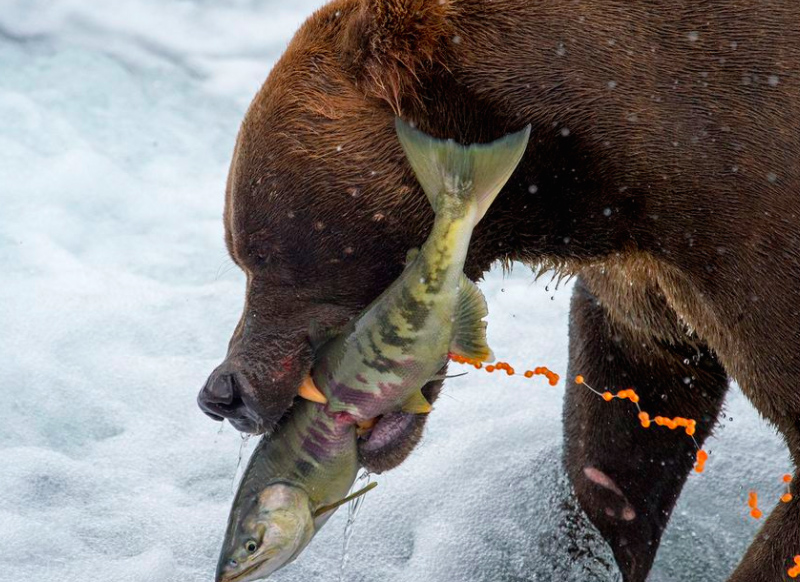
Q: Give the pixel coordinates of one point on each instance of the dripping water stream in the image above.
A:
(353, 508)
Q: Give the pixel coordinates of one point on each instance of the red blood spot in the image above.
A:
(344, 418)
(287, 363)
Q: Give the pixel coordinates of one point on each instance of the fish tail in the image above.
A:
(450, 172)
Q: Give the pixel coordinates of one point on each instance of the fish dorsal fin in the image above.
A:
(417, 404)
(469, 329)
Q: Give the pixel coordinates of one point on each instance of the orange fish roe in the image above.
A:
(702, 457)
(787, 497)
(645, 419)
(607, 396)
(752, 499)
(752, 502)
(678, 422)
(794, 571)
(579, 379)
(552, 377)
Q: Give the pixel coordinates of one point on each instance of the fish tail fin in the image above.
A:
(448, 170)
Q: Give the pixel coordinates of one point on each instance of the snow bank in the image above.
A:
(117, 300)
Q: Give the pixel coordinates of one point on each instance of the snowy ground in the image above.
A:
(116, 125)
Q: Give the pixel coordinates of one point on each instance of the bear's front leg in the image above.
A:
(627, 478)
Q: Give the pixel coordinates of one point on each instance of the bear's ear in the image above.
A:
(387, 42)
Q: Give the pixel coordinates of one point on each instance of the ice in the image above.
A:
(117, 300)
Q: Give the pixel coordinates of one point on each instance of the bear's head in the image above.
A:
(322, 207)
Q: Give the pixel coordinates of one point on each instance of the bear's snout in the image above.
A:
(231, 393)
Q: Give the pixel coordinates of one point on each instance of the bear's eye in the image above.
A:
(263, 249)
(251, 546)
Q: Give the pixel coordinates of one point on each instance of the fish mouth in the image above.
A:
(253, 568)
(239, 575)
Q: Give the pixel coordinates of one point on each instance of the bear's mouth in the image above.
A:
(386, 432)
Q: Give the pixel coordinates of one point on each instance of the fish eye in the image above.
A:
(251, 546)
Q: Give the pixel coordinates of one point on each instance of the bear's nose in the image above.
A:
(219, 388)
(220, 398)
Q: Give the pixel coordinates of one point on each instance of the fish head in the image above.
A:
(271, 532)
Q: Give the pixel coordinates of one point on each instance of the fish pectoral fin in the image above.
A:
(326, 508)
(469, 329)
(417, 404)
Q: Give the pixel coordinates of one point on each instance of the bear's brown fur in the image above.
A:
(662, 171)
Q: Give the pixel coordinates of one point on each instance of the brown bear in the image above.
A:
(663, 171)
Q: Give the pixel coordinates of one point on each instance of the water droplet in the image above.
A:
(693, 36)
(533, 188)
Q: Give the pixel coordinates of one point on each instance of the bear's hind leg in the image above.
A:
(627, 478)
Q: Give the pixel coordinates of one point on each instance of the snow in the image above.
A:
(117, 300)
